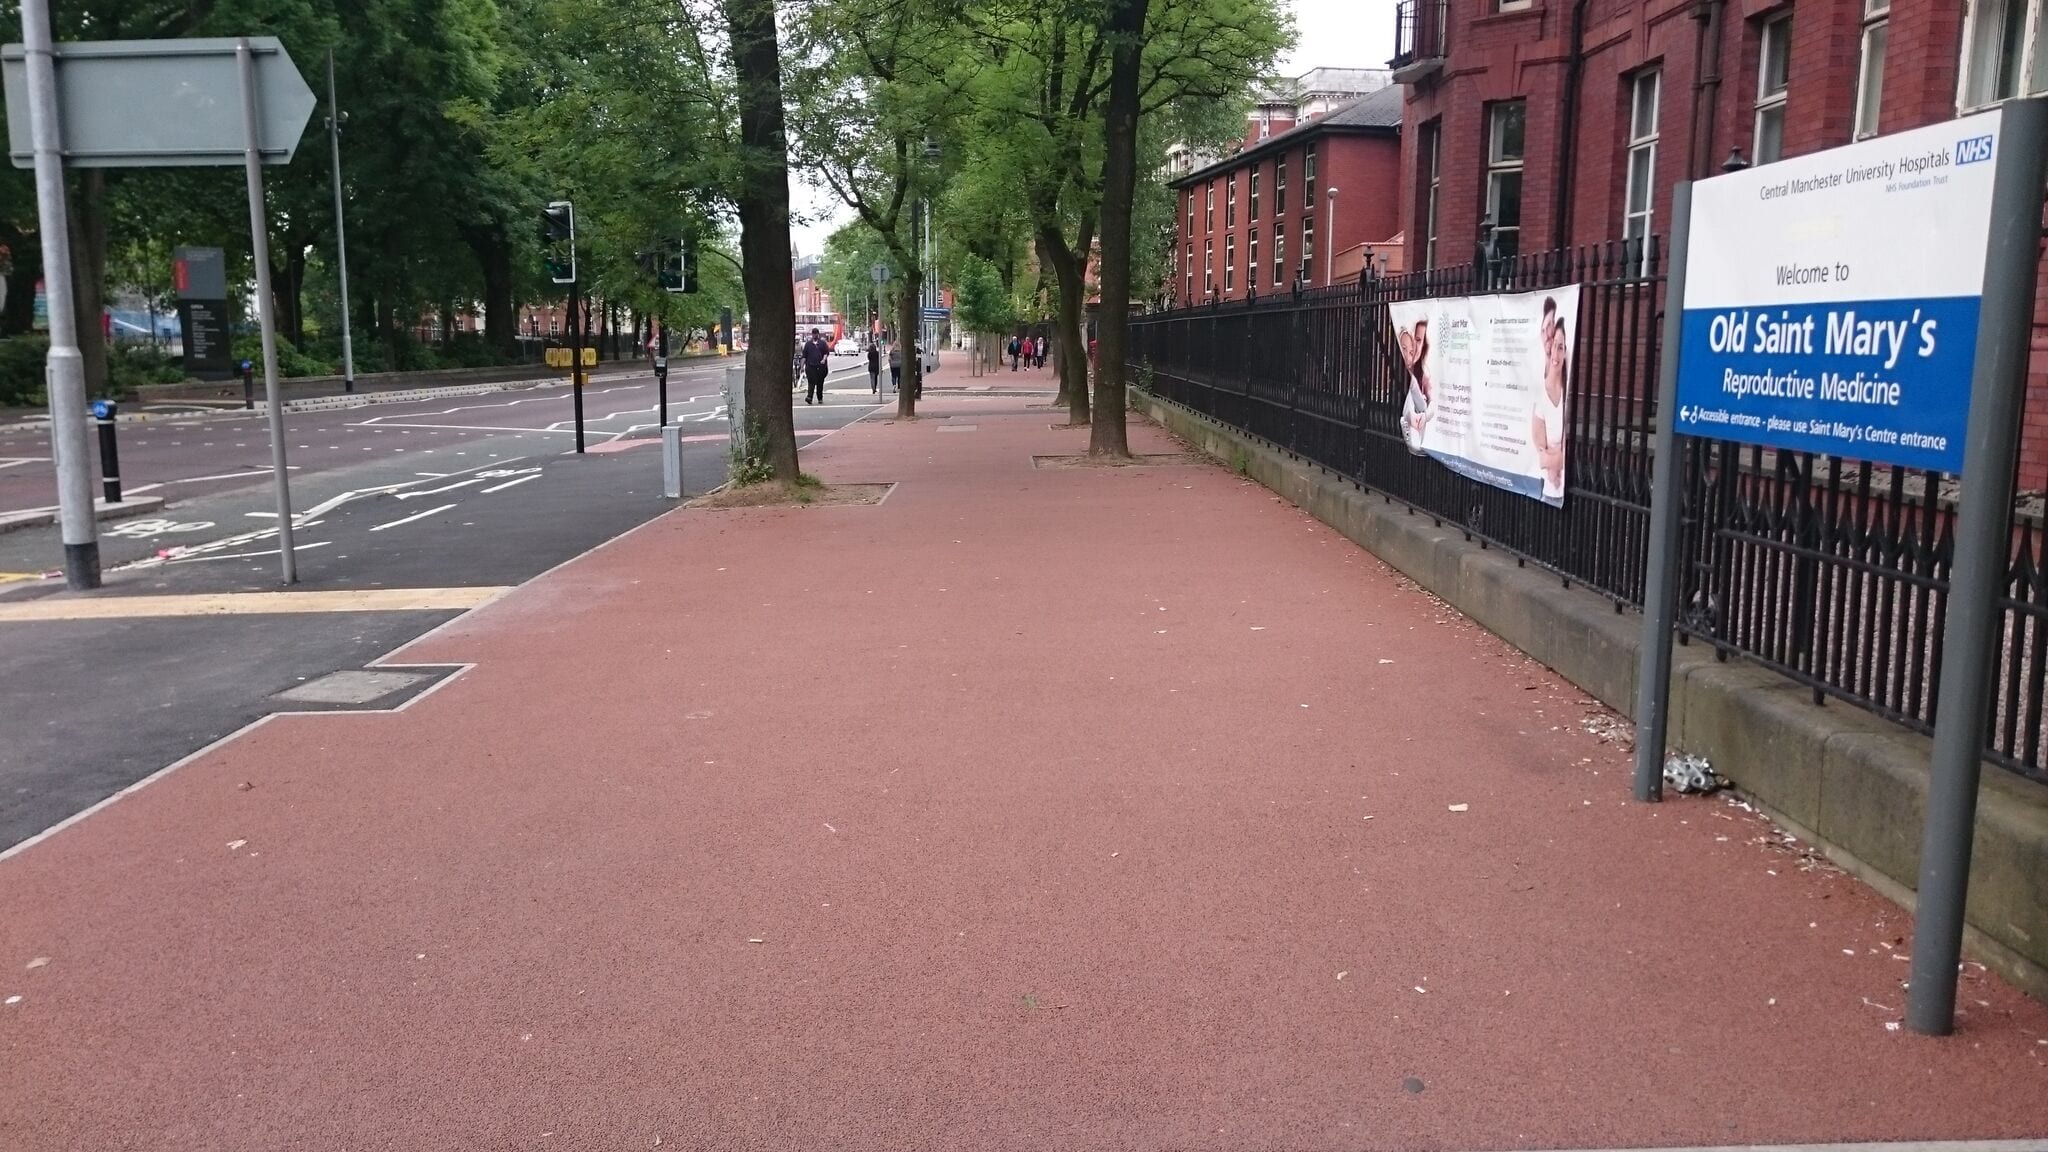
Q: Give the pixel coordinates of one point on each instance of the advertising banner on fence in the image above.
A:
(1831, 300)
(1487, 382)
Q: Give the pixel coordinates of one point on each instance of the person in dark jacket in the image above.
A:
(817, 355)
(874, 369)
(896, 367)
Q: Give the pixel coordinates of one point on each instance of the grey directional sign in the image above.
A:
(160, 103)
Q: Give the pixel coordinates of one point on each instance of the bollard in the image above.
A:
(110, 458)
(672, 461)
(661, 386)
(249, 385)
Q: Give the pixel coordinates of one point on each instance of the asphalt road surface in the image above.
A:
(466, 493)
(184, 451)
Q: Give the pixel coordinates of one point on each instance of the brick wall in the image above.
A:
(1492, 57)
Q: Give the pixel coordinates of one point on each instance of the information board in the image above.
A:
(1832, 300)
(1488, 381)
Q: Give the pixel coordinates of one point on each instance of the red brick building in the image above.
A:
(1288, 201)
(1533, 124)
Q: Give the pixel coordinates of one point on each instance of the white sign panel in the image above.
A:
(161, 103)
(1831, 299)
(1488, 382)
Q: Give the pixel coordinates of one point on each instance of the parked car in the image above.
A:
(847, 346)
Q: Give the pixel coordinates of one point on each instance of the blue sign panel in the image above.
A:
(1885, 380)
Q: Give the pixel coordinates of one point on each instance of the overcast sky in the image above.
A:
(1332, 34)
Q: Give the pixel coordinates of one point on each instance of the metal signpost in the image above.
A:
(144, 104)
(1836, 303)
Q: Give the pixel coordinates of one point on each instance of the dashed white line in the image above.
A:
(510, 483)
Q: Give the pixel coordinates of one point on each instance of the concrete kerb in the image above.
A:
(103, 511)
(1851, 782)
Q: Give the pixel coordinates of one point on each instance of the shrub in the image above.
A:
(21, 369)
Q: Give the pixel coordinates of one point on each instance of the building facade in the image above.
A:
(1288, 203)
(1536, 124)
(1314, 93)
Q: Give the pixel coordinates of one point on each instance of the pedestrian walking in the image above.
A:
(1030, 352)
(896, 367)
(1016, 348)
(1044, 346)
(874, 369)
(816, 354)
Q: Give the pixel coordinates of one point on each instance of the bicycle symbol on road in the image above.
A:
(150, 529)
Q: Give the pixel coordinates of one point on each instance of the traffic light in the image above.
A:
(679, 267)
(558, 241)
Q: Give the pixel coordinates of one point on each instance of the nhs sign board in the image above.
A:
(1831, 300)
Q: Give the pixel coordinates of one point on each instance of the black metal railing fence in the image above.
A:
(1829, 570)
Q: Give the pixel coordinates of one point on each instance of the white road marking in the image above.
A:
(259, 472)
(511, 483)
(18, 461)
(476, 428)
(441, 489)
(296, 549)
(413, 517)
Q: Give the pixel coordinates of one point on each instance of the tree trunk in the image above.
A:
(1072, 361)
(907, 316)
(762, 200)
(89, 275)
(1125, 28)
(501, 317)
(287, 283)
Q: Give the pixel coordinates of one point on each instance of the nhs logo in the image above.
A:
(1974, 149)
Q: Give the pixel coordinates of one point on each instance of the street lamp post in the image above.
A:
(1330, 243)
(334, 118)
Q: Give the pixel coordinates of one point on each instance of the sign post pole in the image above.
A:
(1660, 586)
(259, 241)
(65, 375)
(1970, 636)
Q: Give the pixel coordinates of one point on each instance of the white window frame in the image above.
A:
(1280, 187)
(1499, 167)
(1435, 130)
(1770, 102)
(1870, 97)
(1229, 263)
(1190, 270)
(1208, 267)
(1308, 249)
(1252, 204)
(1308, 177)
(1279, 253)
(2033, 54)
(1191, 214)
(1230, 204)
(1639, 202)
(1251, 259)
(1514, 5)
(1209, 208)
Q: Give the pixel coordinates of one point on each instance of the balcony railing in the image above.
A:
(1419, 30)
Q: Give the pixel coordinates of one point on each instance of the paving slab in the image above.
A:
(1088, 808)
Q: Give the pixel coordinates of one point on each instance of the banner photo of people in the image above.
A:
(1487, 379)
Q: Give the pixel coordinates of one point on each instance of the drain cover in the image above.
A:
(352, 687)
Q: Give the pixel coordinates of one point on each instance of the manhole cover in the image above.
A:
(352, 687)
